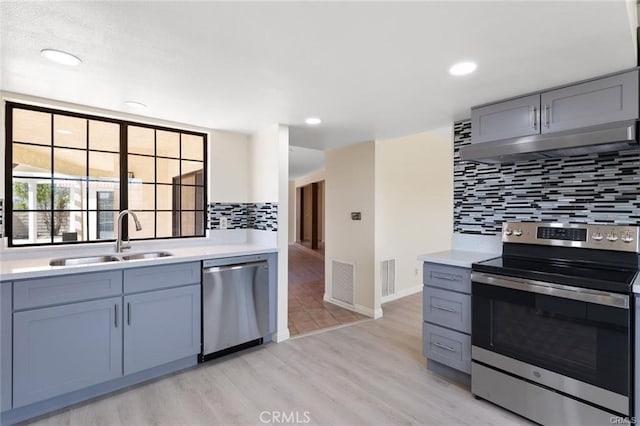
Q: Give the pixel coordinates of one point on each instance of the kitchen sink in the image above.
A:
(146, 255)
(68, 261)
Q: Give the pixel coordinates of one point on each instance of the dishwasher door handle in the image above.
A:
(233, 267)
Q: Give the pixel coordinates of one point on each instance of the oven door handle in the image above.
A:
(553, 289)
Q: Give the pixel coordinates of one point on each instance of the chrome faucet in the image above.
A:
(122, 245)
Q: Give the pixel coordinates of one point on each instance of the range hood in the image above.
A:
(602, 138)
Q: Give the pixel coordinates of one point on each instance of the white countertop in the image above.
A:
(20, 267)
(462, 258)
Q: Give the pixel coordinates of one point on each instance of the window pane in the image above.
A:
(192, 147)
(164, 197)
(69, 131)
(103, 189)
(164, 224)
(69, 226)
(188, 224)
(31, 126)
(141, 168)
(70, 163)
(104, 165)
(147, 220)
(24, 191)
(140, 140)
(188, 198)
(167, 170)
(31, 228)
(29, 159)
(67, 195)
(168, 144)
(102, 225)
(141, 196)
(191, 166)
(104, 136)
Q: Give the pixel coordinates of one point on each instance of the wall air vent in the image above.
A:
(388, 277)
(342, 281)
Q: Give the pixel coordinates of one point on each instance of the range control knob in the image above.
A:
(597, 236)
(627, 238)
(517, 232)
(612, 237)
(508, 232)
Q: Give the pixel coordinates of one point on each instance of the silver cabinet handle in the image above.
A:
(128, 313)
(445, 277)
(445, 347)
(443, 308)
(115, 315)
(546, 116)
(534, 118)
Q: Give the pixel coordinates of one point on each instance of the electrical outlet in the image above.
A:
(415, 271)
(223, 222)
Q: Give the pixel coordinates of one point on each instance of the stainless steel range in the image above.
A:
(551, 322)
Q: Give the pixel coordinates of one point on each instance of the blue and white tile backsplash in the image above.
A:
(261, 216)
(593, 188)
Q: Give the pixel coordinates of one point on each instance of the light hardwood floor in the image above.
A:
(369, 373)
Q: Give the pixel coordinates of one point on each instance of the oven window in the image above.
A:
(564, 343)
(585, 341)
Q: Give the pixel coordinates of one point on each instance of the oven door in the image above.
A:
(580, 334)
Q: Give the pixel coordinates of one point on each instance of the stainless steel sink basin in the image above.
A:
(146, 255)
(68, 261)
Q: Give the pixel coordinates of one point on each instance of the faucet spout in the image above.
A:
(122, 245)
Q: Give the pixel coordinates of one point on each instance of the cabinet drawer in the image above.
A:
(446, 308)
(157, 277)
(447, 277)
(447, 347)
(65, 289)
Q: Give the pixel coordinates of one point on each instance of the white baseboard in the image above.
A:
(281, 335)
(402, 293)
(364, 310)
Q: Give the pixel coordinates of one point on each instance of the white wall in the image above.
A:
(413, 203)
(315, 176)
(229, 168)
(264, 163)
(349, 187)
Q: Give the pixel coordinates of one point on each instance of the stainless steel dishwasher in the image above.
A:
(235, 306)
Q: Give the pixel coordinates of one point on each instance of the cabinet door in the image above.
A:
(160, 327)
(517, 117)
(595, 102)
(65, 348)
(5, 346)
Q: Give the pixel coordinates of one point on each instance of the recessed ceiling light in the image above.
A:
(135, 105)
(64, 131)
(60, 57)
(463, 68)
(313, 121)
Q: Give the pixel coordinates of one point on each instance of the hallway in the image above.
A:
(307, 310)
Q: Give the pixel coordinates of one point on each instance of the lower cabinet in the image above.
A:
(161, 326)
(65, 348)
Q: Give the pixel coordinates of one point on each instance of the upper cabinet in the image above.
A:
(598, 101)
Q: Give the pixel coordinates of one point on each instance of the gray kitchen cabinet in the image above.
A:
(161, 326)
(595, 102)
(517, 117)
(601, 100)
(5, 345)
(64, 348)
(446, 328)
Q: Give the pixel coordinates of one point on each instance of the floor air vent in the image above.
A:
(342, 281)
(388, 277)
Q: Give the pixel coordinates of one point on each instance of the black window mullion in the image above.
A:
(8, 171)
(87, 220)
(53, 168)
(124, 177)
(155, 184)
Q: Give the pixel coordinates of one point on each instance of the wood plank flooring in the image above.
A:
(308, 312)
(368, 373)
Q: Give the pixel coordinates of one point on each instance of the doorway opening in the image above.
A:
(308, 312)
